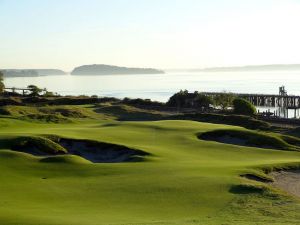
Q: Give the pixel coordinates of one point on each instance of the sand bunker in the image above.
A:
(289, 181)
(98, 152)
(247, 138)
(94, 151)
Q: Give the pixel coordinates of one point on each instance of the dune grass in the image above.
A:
(184, 181)
(49, 114)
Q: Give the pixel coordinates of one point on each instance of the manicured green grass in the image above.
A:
(184, 181)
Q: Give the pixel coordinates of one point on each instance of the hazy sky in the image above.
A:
(148, 33)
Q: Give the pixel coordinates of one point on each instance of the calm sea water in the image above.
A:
(160, 87)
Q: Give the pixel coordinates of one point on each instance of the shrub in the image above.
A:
(34, 90)
(243, 107)
(184, 99)
(142, 102)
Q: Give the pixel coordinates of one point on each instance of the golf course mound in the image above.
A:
(248, 138)
(49, 118)
(38, 146)
(258, 178)
(99, 152)
(129, 113)
(65, 159)
(93, 151)
(49, 114)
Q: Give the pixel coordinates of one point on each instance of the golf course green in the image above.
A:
(182, 179)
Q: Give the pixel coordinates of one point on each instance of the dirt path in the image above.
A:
(288, 181)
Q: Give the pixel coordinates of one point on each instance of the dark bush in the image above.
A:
(243, 107)
(142, 102)
(184, 99)
(10, 101)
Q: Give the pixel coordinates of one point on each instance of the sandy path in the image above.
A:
(288, 181)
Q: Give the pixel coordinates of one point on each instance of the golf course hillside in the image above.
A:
(102, 164)
(252, 139)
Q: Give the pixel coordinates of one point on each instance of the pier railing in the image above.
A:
(266, 100)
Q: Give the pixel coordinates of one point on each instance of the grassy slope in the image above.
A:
(187, 181)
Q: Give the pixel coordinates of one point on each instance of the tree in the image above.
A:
(179, 99)
(35, 91)
(1, 83)
(224, 100)
(243, 107)
(203, 101)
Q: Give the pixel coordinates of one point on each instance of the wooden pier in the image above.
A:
(288, 102)
(13, 89)
(283, 102)
(265, 100)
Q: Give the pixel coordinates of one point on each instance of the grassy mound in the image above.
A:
(52, 114)
(100, 152)
(248, 138)
(258, 177)
(65, 159)
(236, 120)
(129, 113)
(49, 118)
(37, 146)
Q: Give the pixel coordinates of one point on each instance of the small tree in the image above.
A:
(178, 99)
(224, 100)
(1, 83)
(35, 91)
(203, 101)
(243, 107)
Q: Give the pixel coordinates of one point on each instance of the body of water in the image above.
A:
(161, 86)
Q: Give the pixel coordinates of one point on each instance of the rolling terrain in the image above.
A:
(182, 179)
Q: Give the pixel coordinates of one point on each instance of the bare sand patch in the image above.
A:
(288, 181)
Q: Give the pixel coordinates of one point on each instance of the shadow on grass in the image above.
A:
(247, 189)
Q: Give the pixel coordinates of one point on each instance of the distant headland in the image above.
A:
(102, 69)
(252, 68)
(31, 72)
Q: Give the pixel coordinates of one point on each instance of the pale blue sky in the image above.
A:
(148, 33)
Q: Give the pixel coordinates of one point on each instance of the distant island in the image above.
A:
(101, 69)
(31, 72)
(275, 67)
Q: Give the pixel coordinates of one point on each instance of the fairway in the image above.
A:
(183, 180)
